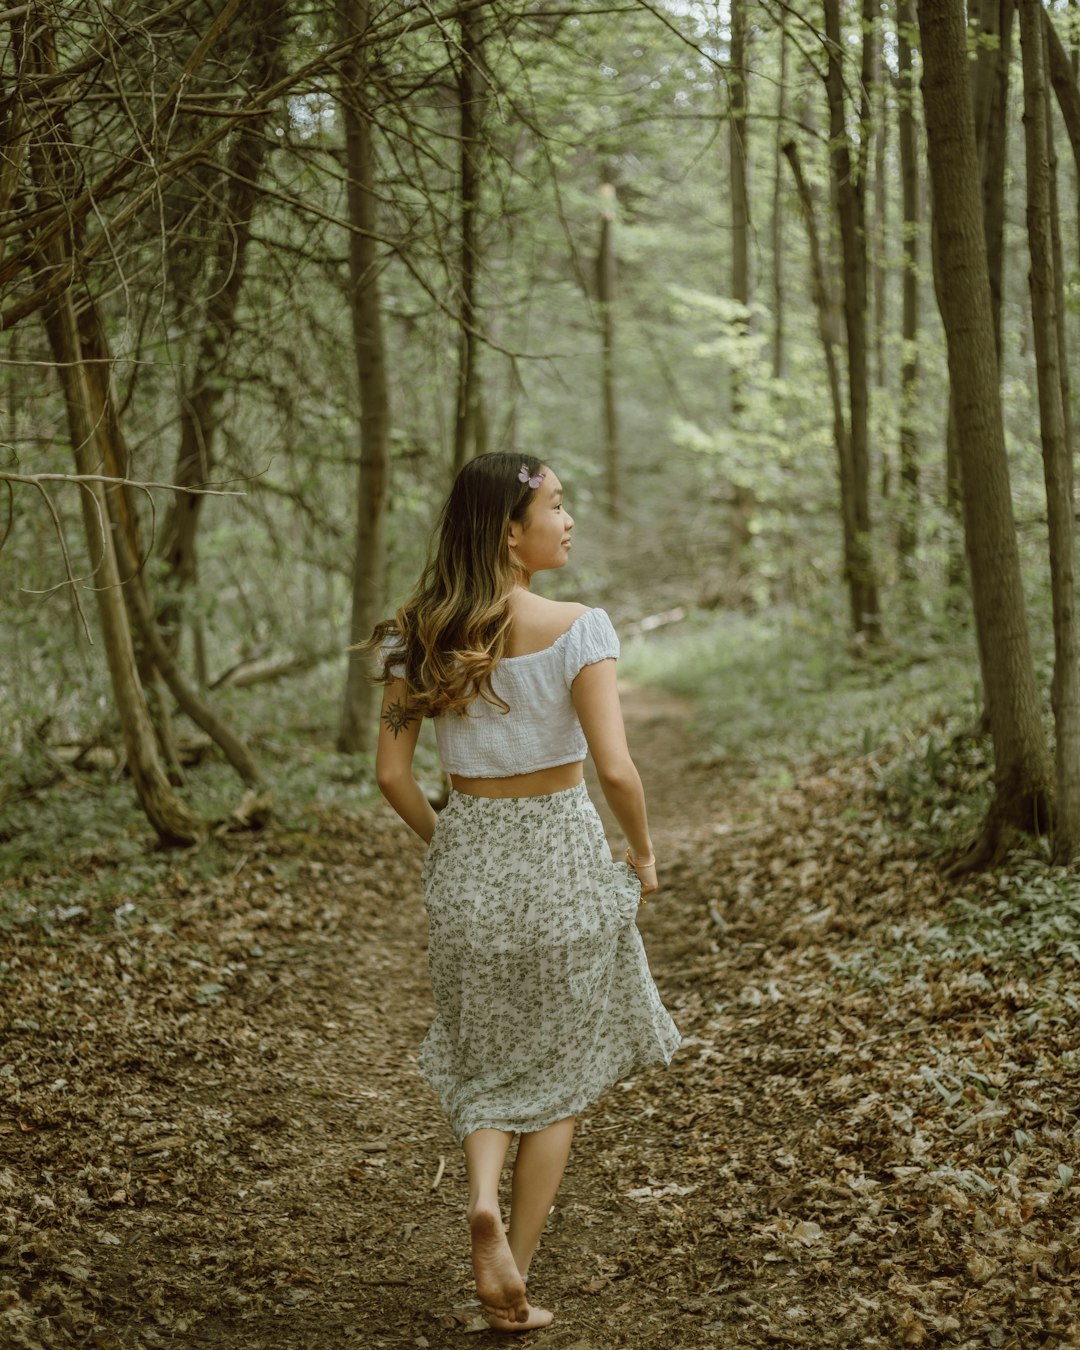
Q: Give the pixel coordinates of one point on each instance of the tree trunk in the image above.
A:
(849, 178)
(1057, 461)
(52, 165)
(990, 94)
(470, 92)
(369, 564)
(779, 361)
(201, 396)
(908, 533)
(1063, 79)
(605, 294)
(879, 228)
(1022, 777)
(823, 309)
(172, 820)
(737, 142)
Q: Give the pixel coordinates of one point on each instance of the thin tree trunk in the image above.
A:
(158, 657)
(1057, 461)
(172, 820)
(1059, 254)
(823, 309)
(879, 229)
(849, 178)
(605, 294)
(52, 167)
(201, 397)
(373, 476)
(990, 94)
(908, 534)
(1065, 87)
(116, 460)
(738, 128)
(470, 93)
(1022, 777)
(1063, 76)
(779, 358)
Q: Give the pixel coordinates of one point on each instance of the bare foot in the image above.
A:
(538, 1317)
(499, 1286)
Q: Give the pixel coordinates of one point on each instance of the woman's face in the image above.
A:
(542, 540)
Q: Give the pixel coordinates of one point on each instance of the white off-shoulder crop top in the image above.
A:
(541, 730)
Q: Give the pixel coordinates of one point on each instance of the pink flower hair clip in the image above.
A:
(534, 480)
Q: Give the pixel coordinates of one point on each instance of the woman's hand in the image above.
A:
(646, 874)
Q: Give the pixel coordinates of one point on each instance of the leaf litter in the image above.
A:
(213, 1131)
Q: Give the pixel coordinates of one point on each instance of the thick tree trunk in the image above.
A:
(849, 180)
(201, 395)
(908, 533)
(373, 478)
(1057, 461)
(605, 294)
(1022, 779)
(779, 357)
(470, 92)
(823, 309)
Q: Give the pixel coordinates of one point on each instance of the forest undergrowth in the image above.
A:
(213, 1132)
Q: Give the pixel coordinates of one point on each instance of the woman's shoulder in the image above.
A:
(539, 622)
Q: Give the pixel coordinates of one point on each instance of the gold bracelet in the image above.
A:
(651, 862)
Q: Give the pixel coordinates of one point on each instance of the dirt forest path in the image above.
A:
(216, 1134)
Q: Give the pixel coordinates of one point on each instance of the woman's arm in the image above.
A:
(596, 701)
(398, 732)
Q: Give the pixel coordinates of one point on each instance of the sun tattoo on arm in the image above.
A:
(397, 717)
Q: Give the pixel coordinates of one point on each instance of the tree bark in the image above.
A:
(1063, 79)
(1022, 775)
(990, 94)
(173, 821)
(1057, 460)
(467, 418)
(605, 294)
(823, 309)
(908, 533)
(737, 141)
(365, 309)
(55, 180)
(879, 228)
(201, 397)
(779, 356)
(849, 178)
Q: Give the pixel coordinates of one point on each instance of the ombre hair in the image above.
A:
(451, 632)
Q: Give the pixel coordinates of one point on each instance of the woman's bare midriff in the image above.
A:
(538, 784)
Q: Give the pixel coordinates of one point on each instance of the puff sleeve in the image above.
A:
(592, 638)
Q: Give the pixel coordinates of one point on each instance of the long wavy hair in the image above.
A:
(451, 632)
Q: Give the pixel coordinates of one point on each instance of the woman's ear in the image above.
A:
(514, 533)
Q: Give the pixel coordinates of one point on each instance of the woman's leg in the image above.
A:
(499, 1285)
(538, 1170)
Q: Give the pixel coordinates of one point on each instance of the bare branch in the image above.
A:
(36, 479)
(69, 571)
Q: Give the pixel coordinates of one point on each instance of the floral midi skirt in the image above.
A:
(541, 984)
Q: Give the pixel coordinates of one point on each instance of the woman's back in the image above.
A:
(538, 728)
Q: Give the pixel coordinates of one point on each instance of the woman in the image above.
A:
(541, 985)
